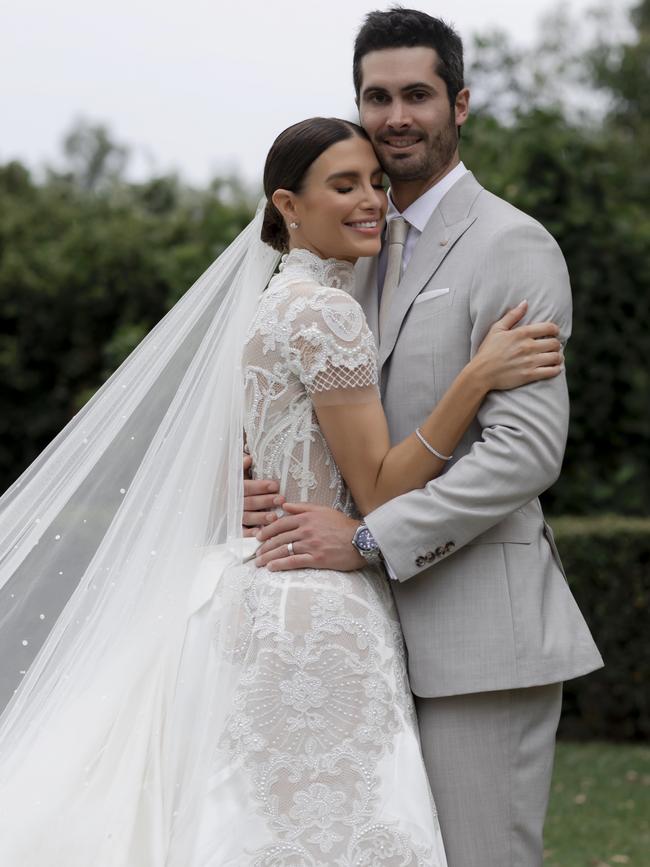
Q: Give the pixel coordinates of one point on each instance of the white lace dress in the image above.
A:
(320, 763)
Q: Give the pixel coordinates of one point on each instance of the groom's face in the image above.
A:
(404, 107)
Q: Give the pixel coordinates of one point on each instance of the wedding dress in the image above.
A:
(274, 725)
(320, 761)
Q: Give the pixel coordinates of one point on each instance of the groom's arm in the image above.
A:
(523, 431)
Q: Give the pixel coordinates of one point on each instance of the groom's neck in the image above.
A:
(404, 193)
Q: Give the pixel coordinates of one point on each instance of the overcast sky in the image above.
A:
(199, 86)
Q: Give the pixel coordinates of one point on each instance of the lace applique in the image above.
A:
(318, 708)
(331, 345)
(345, 321)
(309, 337)
(304, 264)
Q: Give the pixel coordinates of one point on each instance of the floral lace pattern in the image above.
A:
(322, 700)
(309, 340)
(322, 708)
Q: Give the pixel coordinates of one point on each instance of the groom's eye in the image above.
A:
(344, 189)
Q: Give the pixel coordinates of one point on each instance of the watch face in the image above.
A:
(365, 540)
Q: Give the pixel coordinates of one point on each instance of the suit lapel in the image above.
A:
(447, 224)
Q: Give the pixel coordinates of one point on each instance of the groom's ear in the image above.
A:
(461, 106)
(285, 202)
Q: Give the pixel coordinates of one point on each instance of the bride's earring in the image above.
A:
(294, 225)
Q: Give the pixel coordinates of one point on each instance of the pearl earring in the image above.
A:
(294, 225)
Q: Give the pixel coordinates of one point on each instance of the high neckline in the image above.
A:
(335, 273)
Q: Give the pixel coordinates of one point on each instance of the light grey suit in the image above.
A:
(486, 611)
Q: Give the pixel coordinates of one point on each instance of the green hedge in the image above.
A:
(607, 560)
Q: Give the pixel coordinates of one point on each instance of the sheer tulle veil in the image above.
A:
(100, 541)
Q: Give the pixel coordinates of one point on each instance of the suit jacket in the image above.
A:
(481, 592)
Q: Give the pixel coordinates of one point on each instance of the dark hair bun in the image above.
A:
(274, 232)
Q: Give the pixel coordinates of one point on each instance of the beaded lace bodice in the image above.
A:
(309, 342)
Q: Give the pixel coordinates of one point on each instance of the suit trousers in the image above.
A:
(489, 758)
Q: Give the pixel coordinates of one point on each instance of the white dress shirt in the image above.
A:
(417, 215)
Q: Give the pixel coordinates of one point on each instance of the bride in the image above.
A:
(172, 704)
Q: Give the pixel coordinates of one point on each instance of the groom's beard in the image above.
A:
(434, 154)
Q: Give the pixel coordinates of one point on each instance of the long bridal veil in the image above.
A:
(101, 540)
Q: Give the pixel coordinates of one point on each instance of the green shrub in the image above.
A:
(84, 275)
(607, 560)
(581, 185)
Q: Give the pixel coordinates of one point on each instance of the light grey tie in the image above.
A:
(398, 229)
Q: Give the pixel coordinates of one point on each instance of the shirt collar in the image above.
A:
(419, 212)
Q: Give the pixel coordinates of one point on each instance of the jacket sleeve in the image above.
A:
(524, 430)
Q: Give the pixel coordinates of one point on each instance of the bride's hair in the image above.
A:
(288, 161)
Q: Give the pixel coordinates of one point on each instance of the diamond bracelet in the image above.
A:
(429, 447)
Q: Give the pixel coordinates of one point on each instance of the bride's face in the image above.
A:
(341, 208)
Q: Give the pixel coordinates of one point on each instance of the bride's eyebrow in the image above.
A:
(354, 175)
(338, 175)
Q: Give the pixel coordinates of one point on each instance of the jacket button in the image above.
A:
(419, 562)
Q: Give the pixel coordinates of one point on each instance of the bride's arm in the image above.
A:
(357, 432)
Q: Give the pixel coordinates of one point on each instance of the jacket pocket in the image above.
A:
(430, 302)
(550, 538)
(431, 293)
(514, 529)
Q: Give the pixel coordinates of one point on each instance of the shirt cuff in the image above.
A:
(390, 570)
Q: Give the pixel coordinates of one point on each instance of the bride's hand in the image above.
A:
(509, 357)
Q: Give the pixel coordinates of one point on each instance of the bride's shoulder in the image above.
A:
(302, 291)
(292, 309)
(311, 293)
(298, 299)
(305, 289)
(303, 274)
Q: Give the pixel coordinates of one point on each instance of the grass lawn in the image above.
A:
(599, 815)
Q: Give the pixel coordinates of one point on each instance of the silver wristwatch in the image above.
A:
(366, 545)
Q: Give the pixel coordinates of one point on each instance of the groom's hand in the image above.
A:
(260, 499)
(321, 539)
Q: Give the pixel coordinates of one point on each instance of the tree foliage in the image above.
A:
(613, 703)
(88, 264)
(580, 174)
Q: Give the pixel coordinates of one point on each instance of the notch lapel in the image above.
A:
(447, 224)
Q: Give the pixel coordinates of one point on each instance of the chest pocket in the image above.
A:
(422, 315)
(434, 339)
(430, 303)
(430, 294)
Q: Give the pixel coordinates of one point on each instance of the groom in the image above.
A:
(489, 622)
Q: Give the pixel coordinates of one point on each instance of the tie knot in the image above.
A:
(398, 229)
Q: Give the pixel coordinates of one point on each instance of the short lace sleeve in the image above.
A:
(331, 349)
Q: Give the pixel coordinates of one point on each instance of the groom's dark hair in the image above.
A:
(409, 28)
